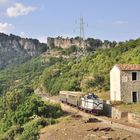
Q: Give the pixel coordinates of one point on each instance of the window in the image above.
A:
(134, 76)
(134, 97)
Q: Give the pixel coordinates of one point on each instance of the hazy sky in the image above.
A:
(105, 19)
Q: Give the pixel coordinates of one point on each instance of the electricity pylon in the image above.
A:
(81, 50)
(82, 33)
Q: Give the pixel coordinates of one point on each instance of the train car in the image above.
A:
(63, 96)
(74, 98)
(71, 97)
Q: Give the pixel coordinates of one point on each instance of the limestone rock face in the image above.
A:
(90, 43)
(66, 42)
(14, 49)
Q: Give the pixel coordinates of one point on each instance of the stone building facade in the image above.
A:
(125, 83)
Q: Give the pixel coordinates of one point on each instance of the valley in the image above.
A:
(51, 72)
(69, 70)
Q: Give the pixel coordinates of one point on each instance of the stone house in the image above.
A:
(125, 83)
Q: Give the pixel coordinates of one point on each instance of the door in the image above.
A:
(134, 97)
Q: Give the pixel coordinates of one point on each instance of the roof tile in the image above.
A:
(128, 67)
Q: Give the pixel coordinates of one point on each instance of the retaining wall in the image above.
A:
(133, 118)
(117, 114)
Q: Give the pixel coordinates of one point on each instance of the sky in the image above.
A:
(103, 19)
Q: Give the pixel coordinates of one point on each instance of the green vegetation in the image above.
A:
(70, 50)
(24, 117)
(22, 114)
(91, 74)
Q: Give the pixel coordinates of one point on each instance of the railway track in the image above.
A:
(103, 119)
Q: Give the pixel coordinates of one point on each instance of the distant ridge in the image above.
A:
(14, 49)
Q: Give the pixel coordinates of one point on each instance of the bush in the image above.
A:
(31, 129)
(70, 50)
(12, 133)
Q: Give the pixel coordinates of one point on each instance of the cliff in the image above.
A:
(89, 43)
(65, 42)
(14, 49)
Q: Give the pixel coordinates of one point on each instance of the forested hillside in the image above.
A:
(22, 113)
(92, 72)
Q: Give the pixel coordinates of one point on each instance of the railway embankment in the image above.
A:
(119, 124)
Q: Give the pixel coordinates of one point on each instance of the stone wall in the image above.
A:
(133, 118)
(128, 86)
(117, 114)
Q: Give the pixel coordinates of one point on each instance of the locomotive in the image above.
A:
(87, 102)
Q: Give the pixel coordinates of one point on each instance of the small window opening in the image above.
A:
(134, 97)
(134, 76)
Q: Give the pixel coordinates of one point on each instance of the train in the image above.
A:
(88, 102)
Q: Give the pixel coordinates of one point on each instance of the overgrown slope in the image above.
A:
(22, 113)
(92, 72)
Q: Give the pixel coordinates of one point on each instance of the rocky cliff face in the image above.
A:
(90, 43)
(14, 49)
(65, 42)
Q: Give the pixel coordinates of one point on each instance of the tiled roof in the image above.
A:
(130, 67)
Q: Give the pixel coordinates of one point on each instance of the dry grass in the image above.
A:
(133, 108)
(64, 119)
(103, 95)
(76, 129)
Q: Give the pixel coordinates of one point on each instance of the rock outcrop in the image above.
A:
(66, 42)
(14, 49)
(90, 43)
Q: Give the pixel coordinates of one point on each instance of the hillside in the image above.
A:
(92, 72)
(14, 49)
(22, 114)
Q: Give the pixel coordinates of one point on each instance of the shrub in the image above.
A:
(12, 132)
(31, 129)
